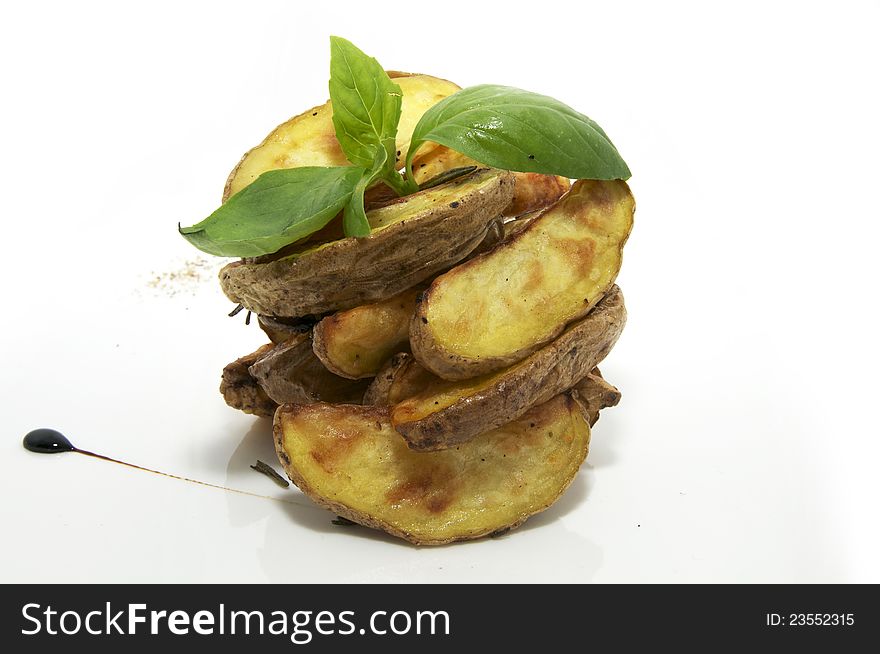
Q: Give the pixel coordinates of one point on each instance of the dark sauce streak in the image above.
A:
(50, 441)
(47, 441)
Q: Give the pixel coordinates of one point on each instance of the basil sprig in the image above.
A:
(512, 129)
(366, 111)
(366, 104)
(354, 220)
(499, 126)
(280, 207)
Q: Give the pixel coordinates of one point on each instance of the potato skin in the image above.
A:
(380, 386)
(400, 378)
(241, 391)
(455, 412)
(349, 460)
(403, 377)
(593, 393)
(279, 331)
(290, 372)
(446, 224)
(524, 292)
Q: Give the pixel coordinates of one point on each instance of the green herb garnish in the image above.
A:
(280, 207)
(271, 473)
(508, 128)
(498, 126)
(366, 111)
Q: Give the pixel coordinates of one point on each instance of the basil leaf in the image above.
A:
(366, 105)
(512, 129)
(278, 208)
(354, 221)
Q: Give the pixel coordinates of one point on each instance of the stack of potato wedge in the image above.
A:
(437, 378)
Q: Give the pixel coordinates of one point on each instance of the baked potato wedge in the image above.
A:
(310, 139)
(451, 412)
(241, 391)
(532, 191)
(356, 343)
(290, 372)
(523, 293)
(400, 378)
(411, 240)
(350, 460)
(403, 377)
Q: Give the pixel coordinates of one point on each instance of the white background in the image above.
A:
(746, 445)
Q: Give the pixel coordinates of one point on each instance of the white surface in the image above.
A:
(745, 448)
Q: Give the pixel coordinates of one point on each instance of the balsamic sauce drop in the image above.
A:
(51, 441)
(47, 441)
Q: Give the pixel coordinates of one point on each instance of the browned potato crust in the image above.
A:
(279, 331)
(498, 308)
(290, 372)
(453, 412)
(241, 391)
(534, 191)
(531, 191)
(380, 386)
(412, 239)
(494, 235)
(357, 342)
(350, 460)
(593, 393)
(309, 139)
(401, 378)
